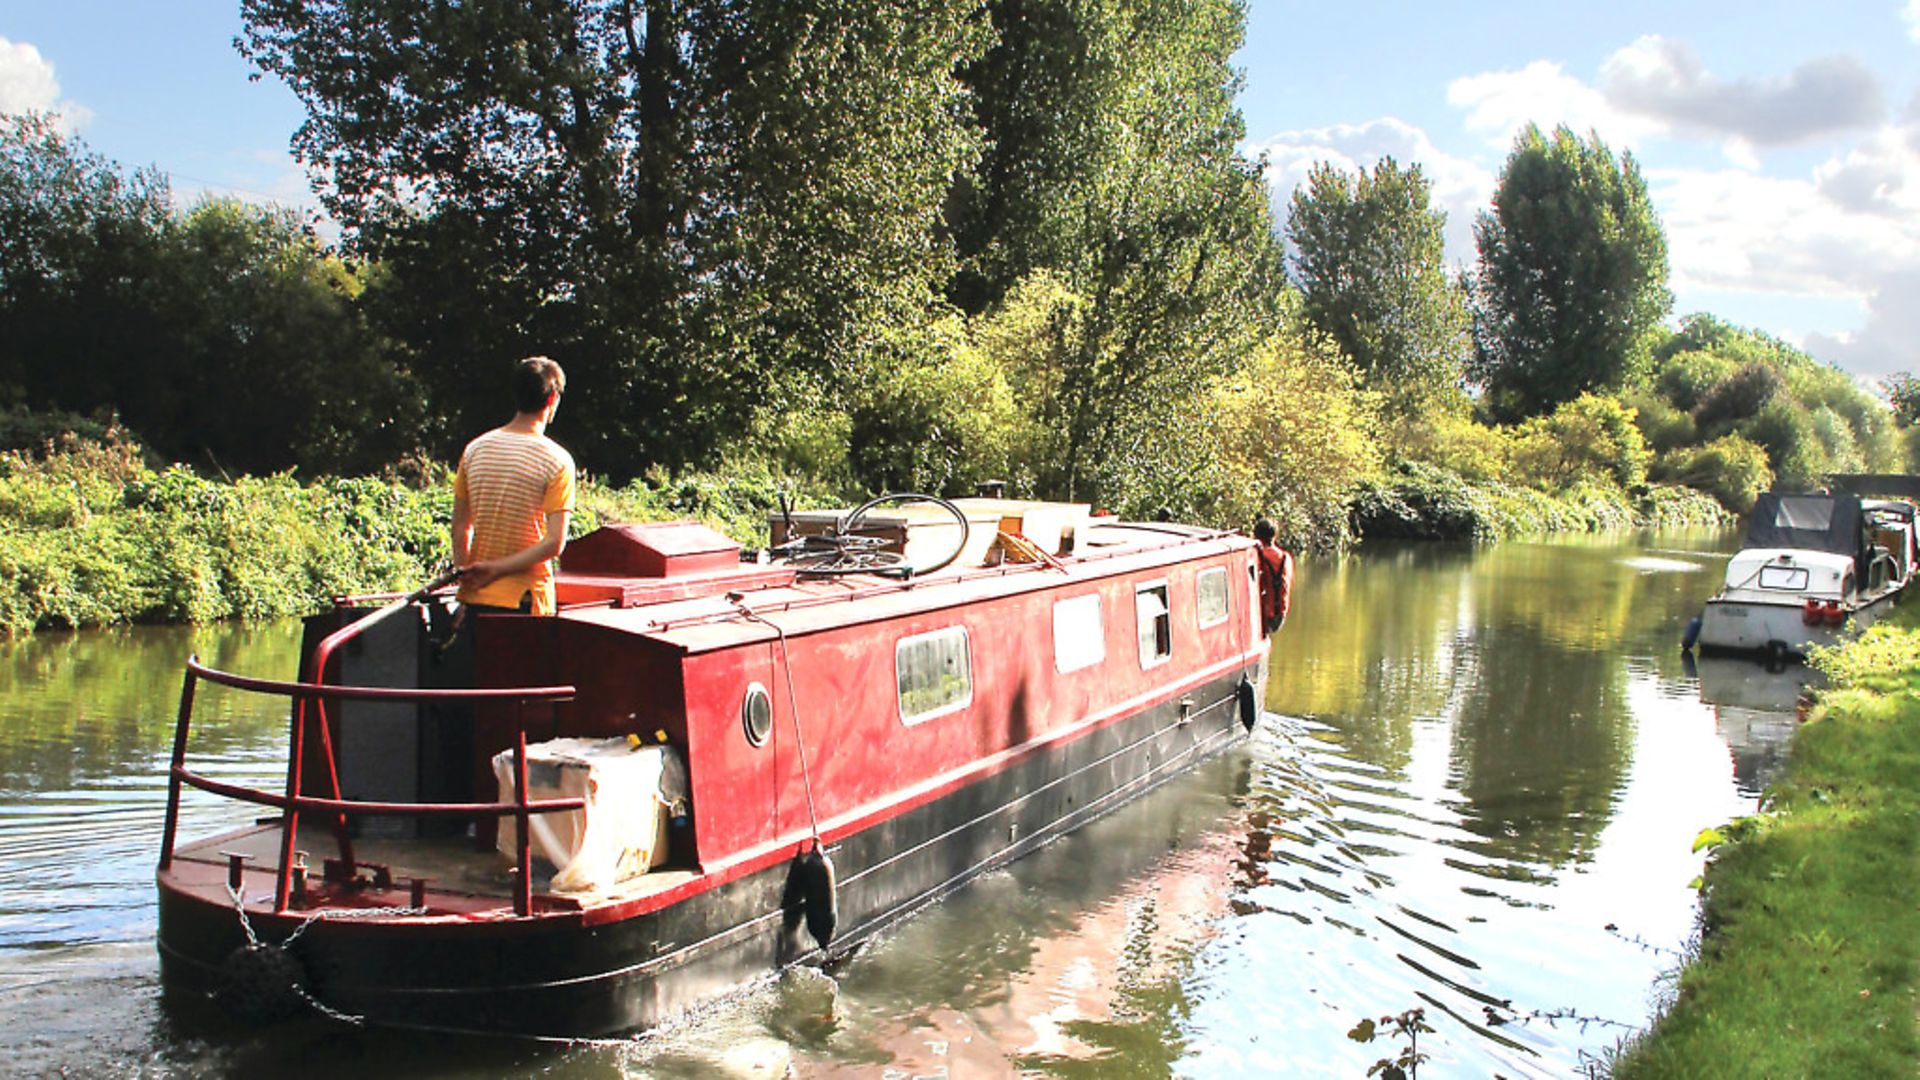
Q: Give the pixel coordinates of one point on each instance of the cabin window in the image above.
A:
(1784, 577)
(1811, 512)
(756, 714)
(1079, 640)
(1156, 623)
(934, 672)
(1211, 589)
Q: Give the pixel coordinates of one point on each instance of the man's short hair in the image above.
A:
(1263, 530)
(536, 379)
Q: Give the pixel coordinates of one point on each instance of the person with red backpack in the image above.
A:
(1276, 577)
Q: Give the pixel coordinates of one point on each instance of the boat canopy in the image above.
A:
(1833, 523)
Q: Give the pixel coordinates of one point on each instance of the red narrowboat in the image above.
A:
(705, 768)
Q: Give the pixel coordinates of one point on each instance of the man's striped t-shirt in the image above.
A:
(510, 482)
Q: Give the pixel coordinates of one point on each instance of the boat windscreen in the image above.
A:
(1811, 522)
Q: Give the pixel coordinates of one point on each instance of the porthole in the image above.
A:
(756, 714)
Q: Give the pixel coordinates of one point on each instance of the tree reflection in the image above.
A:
(101, 704)
(1518, 648)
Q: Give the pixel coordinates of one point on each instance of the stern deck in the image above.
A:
(459, 877)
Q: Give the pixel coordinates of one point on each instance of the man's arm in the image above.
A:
(462, 530)
(548, 547)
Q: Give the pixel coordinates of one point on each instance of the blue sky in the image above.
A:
(1781, 141)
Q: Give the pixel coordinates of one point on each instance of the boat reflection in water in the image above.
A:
(1756, 708)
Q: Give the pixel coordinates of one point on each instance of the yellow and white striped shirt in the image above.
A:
(510, 482)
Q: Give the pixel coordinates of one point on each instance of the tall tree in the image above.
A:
(1572, 278)
(1368, 254)
(1043, 97)
(226, 335)
(690, 203)
(81, 245)
(1113, 171)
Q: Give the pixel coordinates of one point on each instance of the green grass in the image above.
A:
(1811, 912)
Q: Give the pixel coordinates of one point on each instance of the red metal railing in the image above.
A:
(292, 804)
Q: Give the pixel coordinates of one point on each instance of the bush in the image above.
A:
(1591, 437)
(36, 433)
(1419, 502)
(1453, 441)
(936, 415)
(1738, 397)
(1671, 506)
(89, 536)
(736, 499)
(1731, 469)
(1663, 425)
(1425, 503)
(1686, 378)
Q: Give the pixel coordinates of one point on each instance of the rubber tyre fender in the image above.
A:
(262, 984)
(811, 895)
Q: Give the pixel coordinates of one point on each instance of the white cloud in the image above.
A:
(1666, 82)
(1732, 230)
(1886, 344)
(1460, 187)
(1911, 15)
(1500, 103)
(1879, 176)
(1847, 231)
(26, 79)
(27, 85)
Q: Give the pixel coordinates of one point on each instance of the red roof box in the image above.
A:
(654, 549)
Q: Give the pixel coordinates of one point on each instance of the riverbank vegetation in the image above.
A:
(92, 533)
(891, 245)
(1809, 962)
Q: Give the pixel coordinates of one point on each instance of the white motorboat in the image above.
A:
(1815, 568)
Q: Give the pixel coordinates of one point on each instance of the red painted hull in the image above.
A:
(907, 810)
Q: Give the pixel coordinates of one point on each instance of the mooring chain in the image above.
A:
(246, 924)
(325, 1009)
(323, 914)
(293, 985)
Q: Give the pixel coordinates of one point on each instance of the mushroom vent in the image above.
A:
(659, 549)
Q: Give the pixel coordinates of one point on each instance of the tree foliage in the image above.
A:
(1572, 278)
(80, 243)
(1807, 418)
(1296, 432)
(1112, 179)
(935, 415)
(1740, 396)
(227, 334)
(1588, 437)
(1903, 394)
(1367, 254)
(690, 203)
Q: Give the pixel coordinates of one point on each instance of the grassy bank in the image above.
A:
(1810, 951)
(91, 535)
(1426, 502)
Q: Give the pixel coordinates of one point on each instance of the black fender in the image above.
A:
(262, 984)
(811, 895)
(1249, 702)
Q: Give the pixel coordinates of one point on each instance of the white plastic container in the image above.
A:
(630, 793)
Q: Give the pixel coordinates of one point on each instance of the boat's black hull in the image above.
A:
(550, 977)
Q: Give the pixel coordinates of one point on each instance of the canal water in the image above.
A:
(1475, 794)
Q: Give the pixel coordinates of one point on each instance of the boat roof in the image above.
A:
(710, 608)
(1809, 522)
